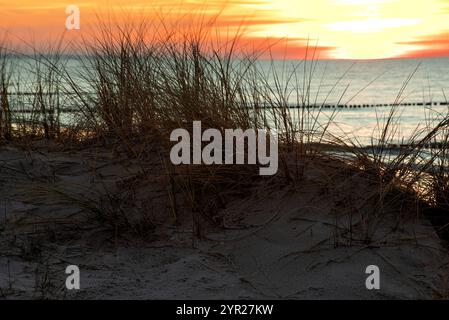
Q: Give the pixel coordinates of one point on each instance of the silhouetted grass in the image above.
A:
(135, 85)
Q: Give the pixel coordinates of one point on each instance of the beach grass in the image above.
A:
(135, 86)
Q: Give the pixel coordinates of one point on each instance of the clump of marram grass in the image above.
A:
(33, 95)
(147, 89)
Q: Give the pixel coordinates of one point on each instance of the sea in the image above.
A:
(352, 98)
(356, 98)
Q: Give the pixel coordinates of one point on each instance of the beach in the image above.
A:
(313, 240)
(176, 169)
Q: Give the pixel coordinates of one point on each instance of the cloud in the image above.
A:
(428, 46)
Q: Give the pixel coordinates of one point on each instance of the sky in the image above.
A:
(336, 29)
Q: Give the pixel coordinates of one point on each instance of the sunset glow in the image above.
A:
(342, 29)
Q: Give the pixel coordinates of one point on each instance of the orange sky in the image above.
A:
(343, 29)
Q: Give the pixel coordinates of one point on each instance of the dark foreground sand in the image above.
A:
(278, 242)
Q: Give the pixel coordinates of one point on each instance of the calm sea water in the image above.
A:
(420, 86)
(354, 83)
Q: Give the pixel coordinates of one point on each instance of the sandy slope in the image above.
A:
(299, 243)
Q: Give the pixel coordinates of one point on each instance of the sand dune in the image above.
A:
(311, 241)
